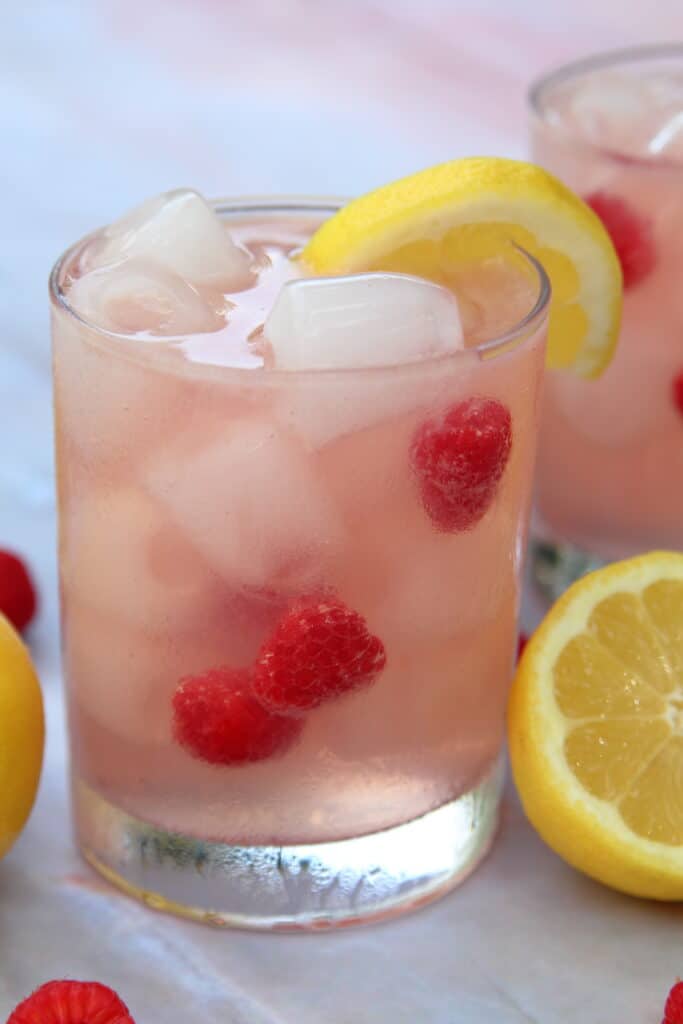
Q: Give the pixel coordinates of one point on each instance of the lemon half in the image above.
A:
(595, 726)
(22, 735)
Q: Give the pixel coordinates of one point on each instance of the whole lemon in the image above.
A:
(22, 735)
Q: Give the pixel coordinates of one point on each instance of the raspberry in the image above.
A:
(677, 390)
(631, 235)
(673, 1011)
(459, 460)
(71, 1002)
(17, 593)
(319, 651)
(216, 719)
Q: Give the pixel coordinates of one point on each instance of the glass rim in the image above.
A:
(540, 92)
(292, 204)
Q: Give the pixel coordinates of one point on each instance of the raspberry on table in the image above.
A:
(459, 460)
(17, 593)
(72, 1002)
(631, 235)
(217, 719)
(673, 1011)
(319, 651)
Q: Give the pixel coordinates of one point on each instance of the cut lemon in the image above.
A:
(595, 726)
(22, 735)
(469, 210)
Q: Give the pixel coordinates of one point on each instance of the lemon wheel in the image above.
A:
(471, 209)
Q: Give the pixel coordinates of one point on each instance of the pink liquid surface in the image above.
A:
(200, 493)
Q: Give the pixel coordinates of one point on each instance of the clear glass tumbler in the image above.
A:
(210, 512)
(610, 471)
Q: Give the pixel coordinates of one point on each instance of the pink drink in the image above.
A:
(610, 474)
(205, 499)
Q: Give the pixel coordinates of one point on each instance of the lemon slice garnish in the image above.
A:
(468, 210)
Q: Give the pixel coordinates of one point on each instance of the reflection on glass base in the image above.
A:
(291, 888)
(555, 565)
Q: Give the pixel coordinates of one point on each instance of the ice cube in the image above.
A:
(108, 408)
(123, 676)
(637, 114)
(247, 497)
(118, 675)
(134, 297)
(177, 230)
(325, 407)
(363, 320)
(123, 557)
(608, 104)
(321, 408)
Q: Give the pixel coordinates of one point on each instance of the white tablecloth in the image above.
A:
(102, 103)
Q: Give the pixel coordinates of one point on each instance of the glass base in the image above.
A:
(555, 565)
(291, 888)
